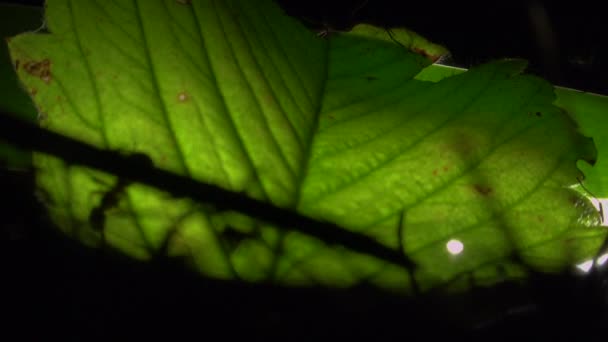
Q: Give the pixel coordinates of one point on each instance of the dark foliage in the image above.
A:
(53, 287)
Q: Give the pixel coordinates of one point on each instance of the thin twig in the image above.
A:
(30, 136)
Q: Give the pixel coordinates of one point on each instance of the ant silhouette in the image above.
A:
(234, 236)
(110, 199)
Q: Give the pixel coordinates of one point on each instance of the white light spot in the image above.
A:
(585, 266)
(602, 259)
(454, 247)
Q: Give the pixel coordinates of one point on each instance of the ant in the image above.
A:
(604, 246)
(233, 236)
(110, 199)
(600, 206)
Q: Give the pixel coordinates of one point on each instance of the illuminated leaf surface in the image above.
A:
(239, 95)
(587, 109)
(590, 112)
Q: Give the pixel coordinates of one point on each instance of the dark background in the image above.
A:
(55, 288)
(568, 48)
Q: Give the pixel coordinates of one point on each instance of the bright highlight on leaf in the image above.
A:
(455, 247)
(236, 94)
(585, 266)
(602, 259)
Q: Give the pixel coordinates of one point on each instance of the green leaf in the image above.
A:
(237, 94)
(589, 110)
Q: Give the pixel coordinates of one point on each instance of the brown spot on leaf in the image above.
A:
(446, 168)
(423, 52)
(16, 64)
(41, 69)
(482, 189)
(570, 242)
(435, 172)
(183, 96)
(33, 91)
